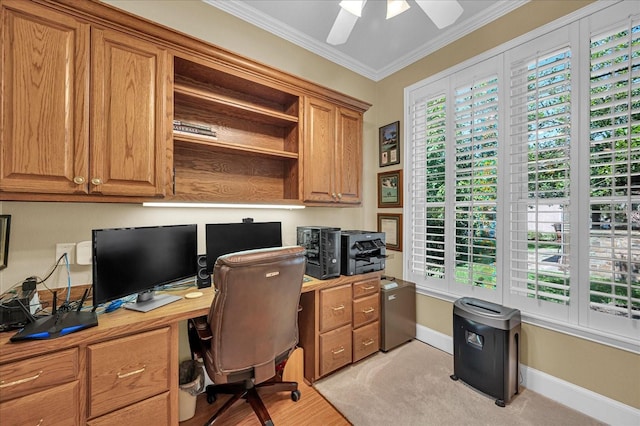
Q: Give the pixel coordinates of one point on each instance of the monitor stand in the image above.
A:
(148, 300)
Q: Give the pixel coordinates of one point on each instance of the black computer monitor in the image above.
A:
(137, 260)
(225, 238)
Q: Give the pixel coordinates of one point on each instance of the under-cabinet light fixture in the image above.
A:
(225, 205)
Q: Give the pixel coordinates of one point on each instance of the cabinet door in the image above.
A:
(319, 151)
(129, 128)
(348, 169)
(45, 83)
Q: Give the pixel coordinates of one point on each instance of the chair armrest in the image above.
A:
(201, 326)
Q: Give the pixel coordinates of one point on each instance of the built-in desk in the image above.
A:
(123, 370)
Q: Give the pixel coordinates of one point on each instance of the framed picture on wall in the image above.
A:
(391, 225)
(5, 226)
(390, 189)
(390, 144)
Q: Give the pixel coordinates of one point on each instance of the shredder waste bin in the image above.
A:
(486, 352)
(191, 381)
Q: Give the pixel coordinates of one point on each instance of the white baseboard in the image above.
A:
(592, 404)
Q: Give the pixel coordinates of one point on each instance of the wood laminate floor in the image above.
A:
(312, 409)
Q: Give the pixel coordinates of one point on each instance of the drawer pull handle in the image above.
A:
(338, 351)
(20, 381)
(40, 422)
(369, 287)
(368, 342)
(131, 373)
(338, 308)
(368, 310)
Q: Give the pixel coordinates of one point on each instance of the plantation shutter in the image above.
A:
(539, 176)
(476, 192)
(427, 186)
(614, 160)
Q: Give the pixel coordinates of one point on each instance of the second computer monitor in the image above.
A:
(225, 238)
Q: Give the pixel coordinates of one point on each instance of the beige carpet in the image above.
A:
(410, 385)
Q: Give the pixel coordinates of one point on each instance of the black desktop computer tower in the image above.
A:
(323, 250)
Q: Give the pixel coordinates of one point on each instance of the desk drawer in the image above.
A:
(128, 370)
(335, 307)
(55, 406)
(365, 310)
(366, 340)
(153, 411)
(335, 349)
(32, 375)
(365, 288)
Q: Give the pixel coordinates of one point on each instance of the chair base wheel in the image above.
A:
(211, 398)
(296, 395)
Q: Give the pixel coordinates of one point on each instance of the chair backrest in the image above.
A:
(254, 315)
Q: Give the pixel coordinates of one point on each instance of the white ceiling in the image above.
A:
(376, 47)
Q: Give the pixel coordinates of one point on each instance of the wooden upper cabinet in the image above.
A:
(45, 80)
(84, 109)
(128, 125)
(349, 156)
(332, 153)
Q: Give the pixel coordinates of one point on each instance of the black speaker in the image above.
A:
(203, 279)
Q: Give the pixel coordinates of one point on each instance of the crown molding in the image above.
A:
(251, 15)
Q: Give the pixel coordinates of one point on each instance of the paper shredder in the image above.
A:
(486, 338)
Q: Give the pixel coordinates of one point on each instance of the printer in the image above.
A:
(362, 252)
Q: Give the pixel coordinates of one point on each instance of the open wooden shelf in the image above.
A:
(218, 145)
(196, 96)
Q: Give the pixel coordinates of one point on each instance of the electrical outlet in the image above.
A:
(62, 248)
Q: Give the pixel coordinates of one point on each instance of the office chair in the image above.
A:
(252, 326)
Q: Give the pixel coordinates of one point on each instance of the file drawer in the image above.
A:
(335, 305)
(127, 370)
(56, 406)
(28, 376)
(366, 340)
(366, 287)
(335, 349)
(153, 411)
(365, 310)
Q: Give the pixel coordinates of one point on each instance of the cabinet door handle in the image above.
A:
(339, 195)
(338, 308)
(333, 195)
(368, 310)
(96, 181)
(131, 373)
(20, 381)
(368, 342)
(337, 351)
(78, 180)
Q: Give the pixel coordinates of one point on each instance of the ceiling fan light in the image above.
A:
(396, 7)
(353, 6)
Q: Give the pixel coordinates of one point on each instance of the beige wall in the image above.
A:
(37, 227)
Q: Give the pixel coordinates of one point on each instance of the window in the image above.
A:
(525, 189)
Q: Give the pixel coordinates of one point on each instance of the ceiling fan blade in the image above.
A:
(342, 27)
(442, 12)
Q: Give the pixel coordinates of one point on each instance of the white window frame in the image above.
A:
(580, 320)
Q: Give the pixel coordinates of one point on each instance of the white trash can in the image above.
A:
(191, 384)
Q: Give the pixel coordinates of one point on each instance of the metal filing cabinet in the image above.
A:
(397, 313)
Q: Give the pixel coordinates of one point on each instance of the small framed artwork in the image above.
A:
(5, 226)
(390, 189)
(391, 225)
(390, 144)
